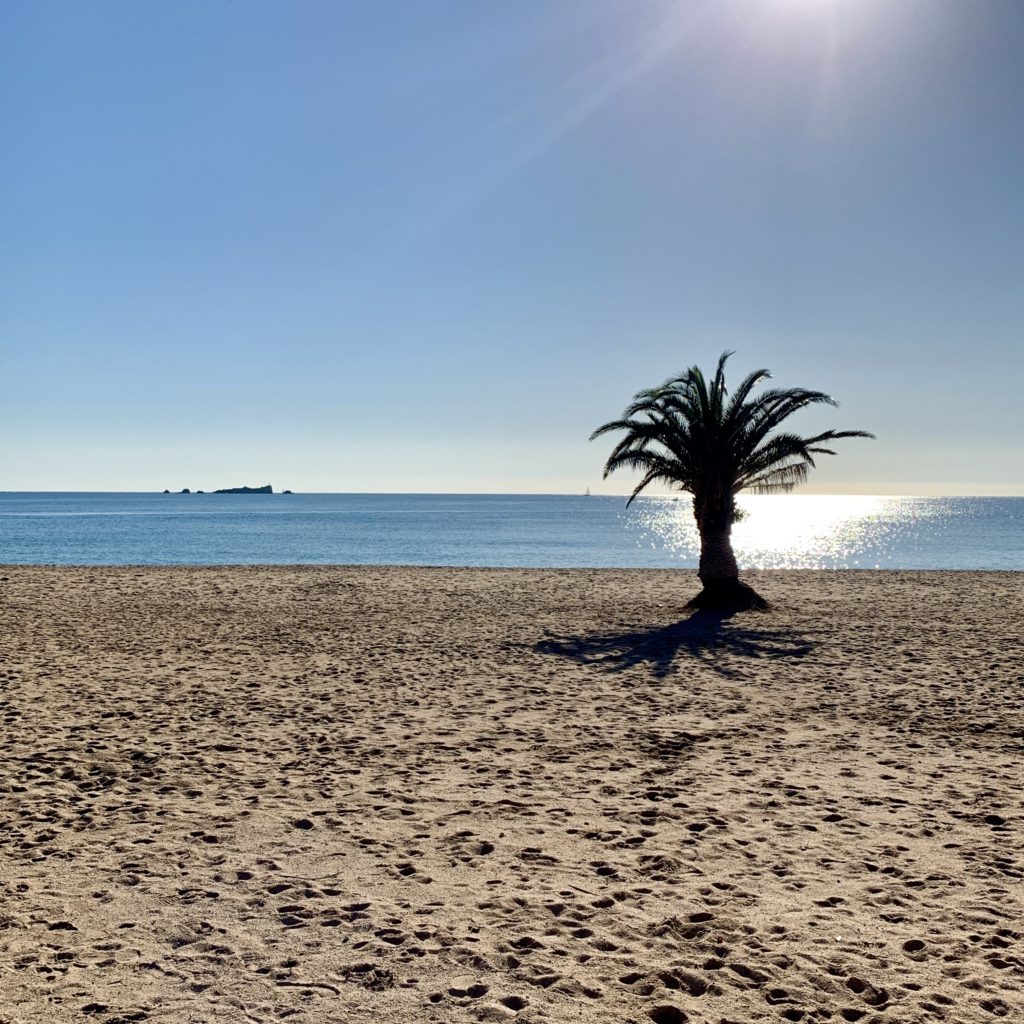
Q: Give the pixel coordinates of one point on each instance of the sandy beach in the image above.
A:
(322, 794)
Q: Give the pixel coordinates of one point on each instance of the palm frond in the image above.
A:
(691, 435)
(780, 478)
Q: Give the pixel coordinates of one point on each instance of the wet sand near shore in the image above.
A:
(329, 794)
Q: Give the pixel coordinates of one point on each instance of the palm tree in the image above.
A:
(713, 445)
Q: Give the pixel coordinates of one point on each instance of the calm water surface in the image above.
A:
(800, 531)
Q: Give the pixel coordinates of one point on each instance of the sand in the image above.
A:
(321, 794)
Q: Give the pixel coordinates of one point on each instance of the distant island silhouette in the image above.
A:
(265, 489)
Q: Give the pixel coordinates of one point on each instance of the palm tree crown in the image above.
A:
(700, 439)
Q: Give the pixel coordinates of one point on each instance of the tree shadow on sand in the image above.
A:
(705, 636)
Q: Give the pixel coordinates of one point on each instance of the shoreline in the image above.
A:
(441, 567)
(457, 794)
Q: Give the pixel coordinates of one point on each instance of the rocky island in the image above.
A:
(265, 489)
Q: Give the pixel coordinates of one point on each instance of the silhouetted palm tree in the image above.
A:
(702, 440)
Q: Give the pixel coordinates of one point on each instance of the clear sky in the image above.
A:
(396, 246)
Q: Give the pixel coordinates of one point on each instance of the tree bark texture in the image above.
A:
(717, 561)
(720, 575)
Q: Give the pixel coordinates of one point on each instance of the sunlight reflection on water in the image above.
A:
(799, 532)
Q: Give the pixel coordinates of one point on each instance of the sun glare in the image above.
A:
(809, 532)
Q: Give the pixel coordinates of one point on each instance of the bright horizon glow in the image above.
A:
(662, 496)
(342, 251)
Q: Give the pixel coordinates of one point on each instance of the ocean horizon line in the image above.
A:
(677, 495)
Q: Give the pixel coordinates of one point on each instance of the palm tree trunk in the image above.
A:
(717, 561)
(720, 575)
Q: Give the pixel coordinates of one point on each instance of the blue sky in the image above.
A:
(430, 246)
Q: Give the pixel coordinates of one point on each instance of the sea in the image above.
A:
(504, 530)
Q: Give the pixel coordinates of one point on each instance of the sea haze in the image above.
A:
(560, 531)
